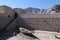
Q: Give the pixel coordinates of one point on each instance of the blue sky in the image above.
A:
(30, 3)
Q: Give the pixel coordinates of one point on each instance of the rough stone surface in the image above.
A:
(49, 22)
(42, 35)
(6, 15)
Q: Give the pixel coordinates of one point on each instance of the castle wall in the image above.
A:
(49, 22)
(4, 21)
(6, 15)
(13, 25)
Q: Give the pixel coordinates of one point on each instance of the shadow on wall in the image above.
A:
(5, 34)
(22, 23)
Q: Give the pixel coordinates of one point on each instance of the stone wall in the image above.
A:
(50, 22)
(13, 25)
(5, 10)
(6, 15)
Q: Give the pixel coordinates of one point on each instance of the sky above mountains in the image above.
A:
(42, 4)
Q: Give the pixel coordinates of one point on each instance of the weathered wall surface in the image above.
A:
(30, 21)
(42, 22)
(4, 21)
(6, 15)
(13, 25)
(22, 23)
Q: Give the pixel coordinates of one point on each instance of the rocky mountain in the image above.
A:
(52, 10)
(31, 10)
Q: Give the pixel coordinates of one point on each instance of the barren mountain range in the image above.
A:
(32, 10)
